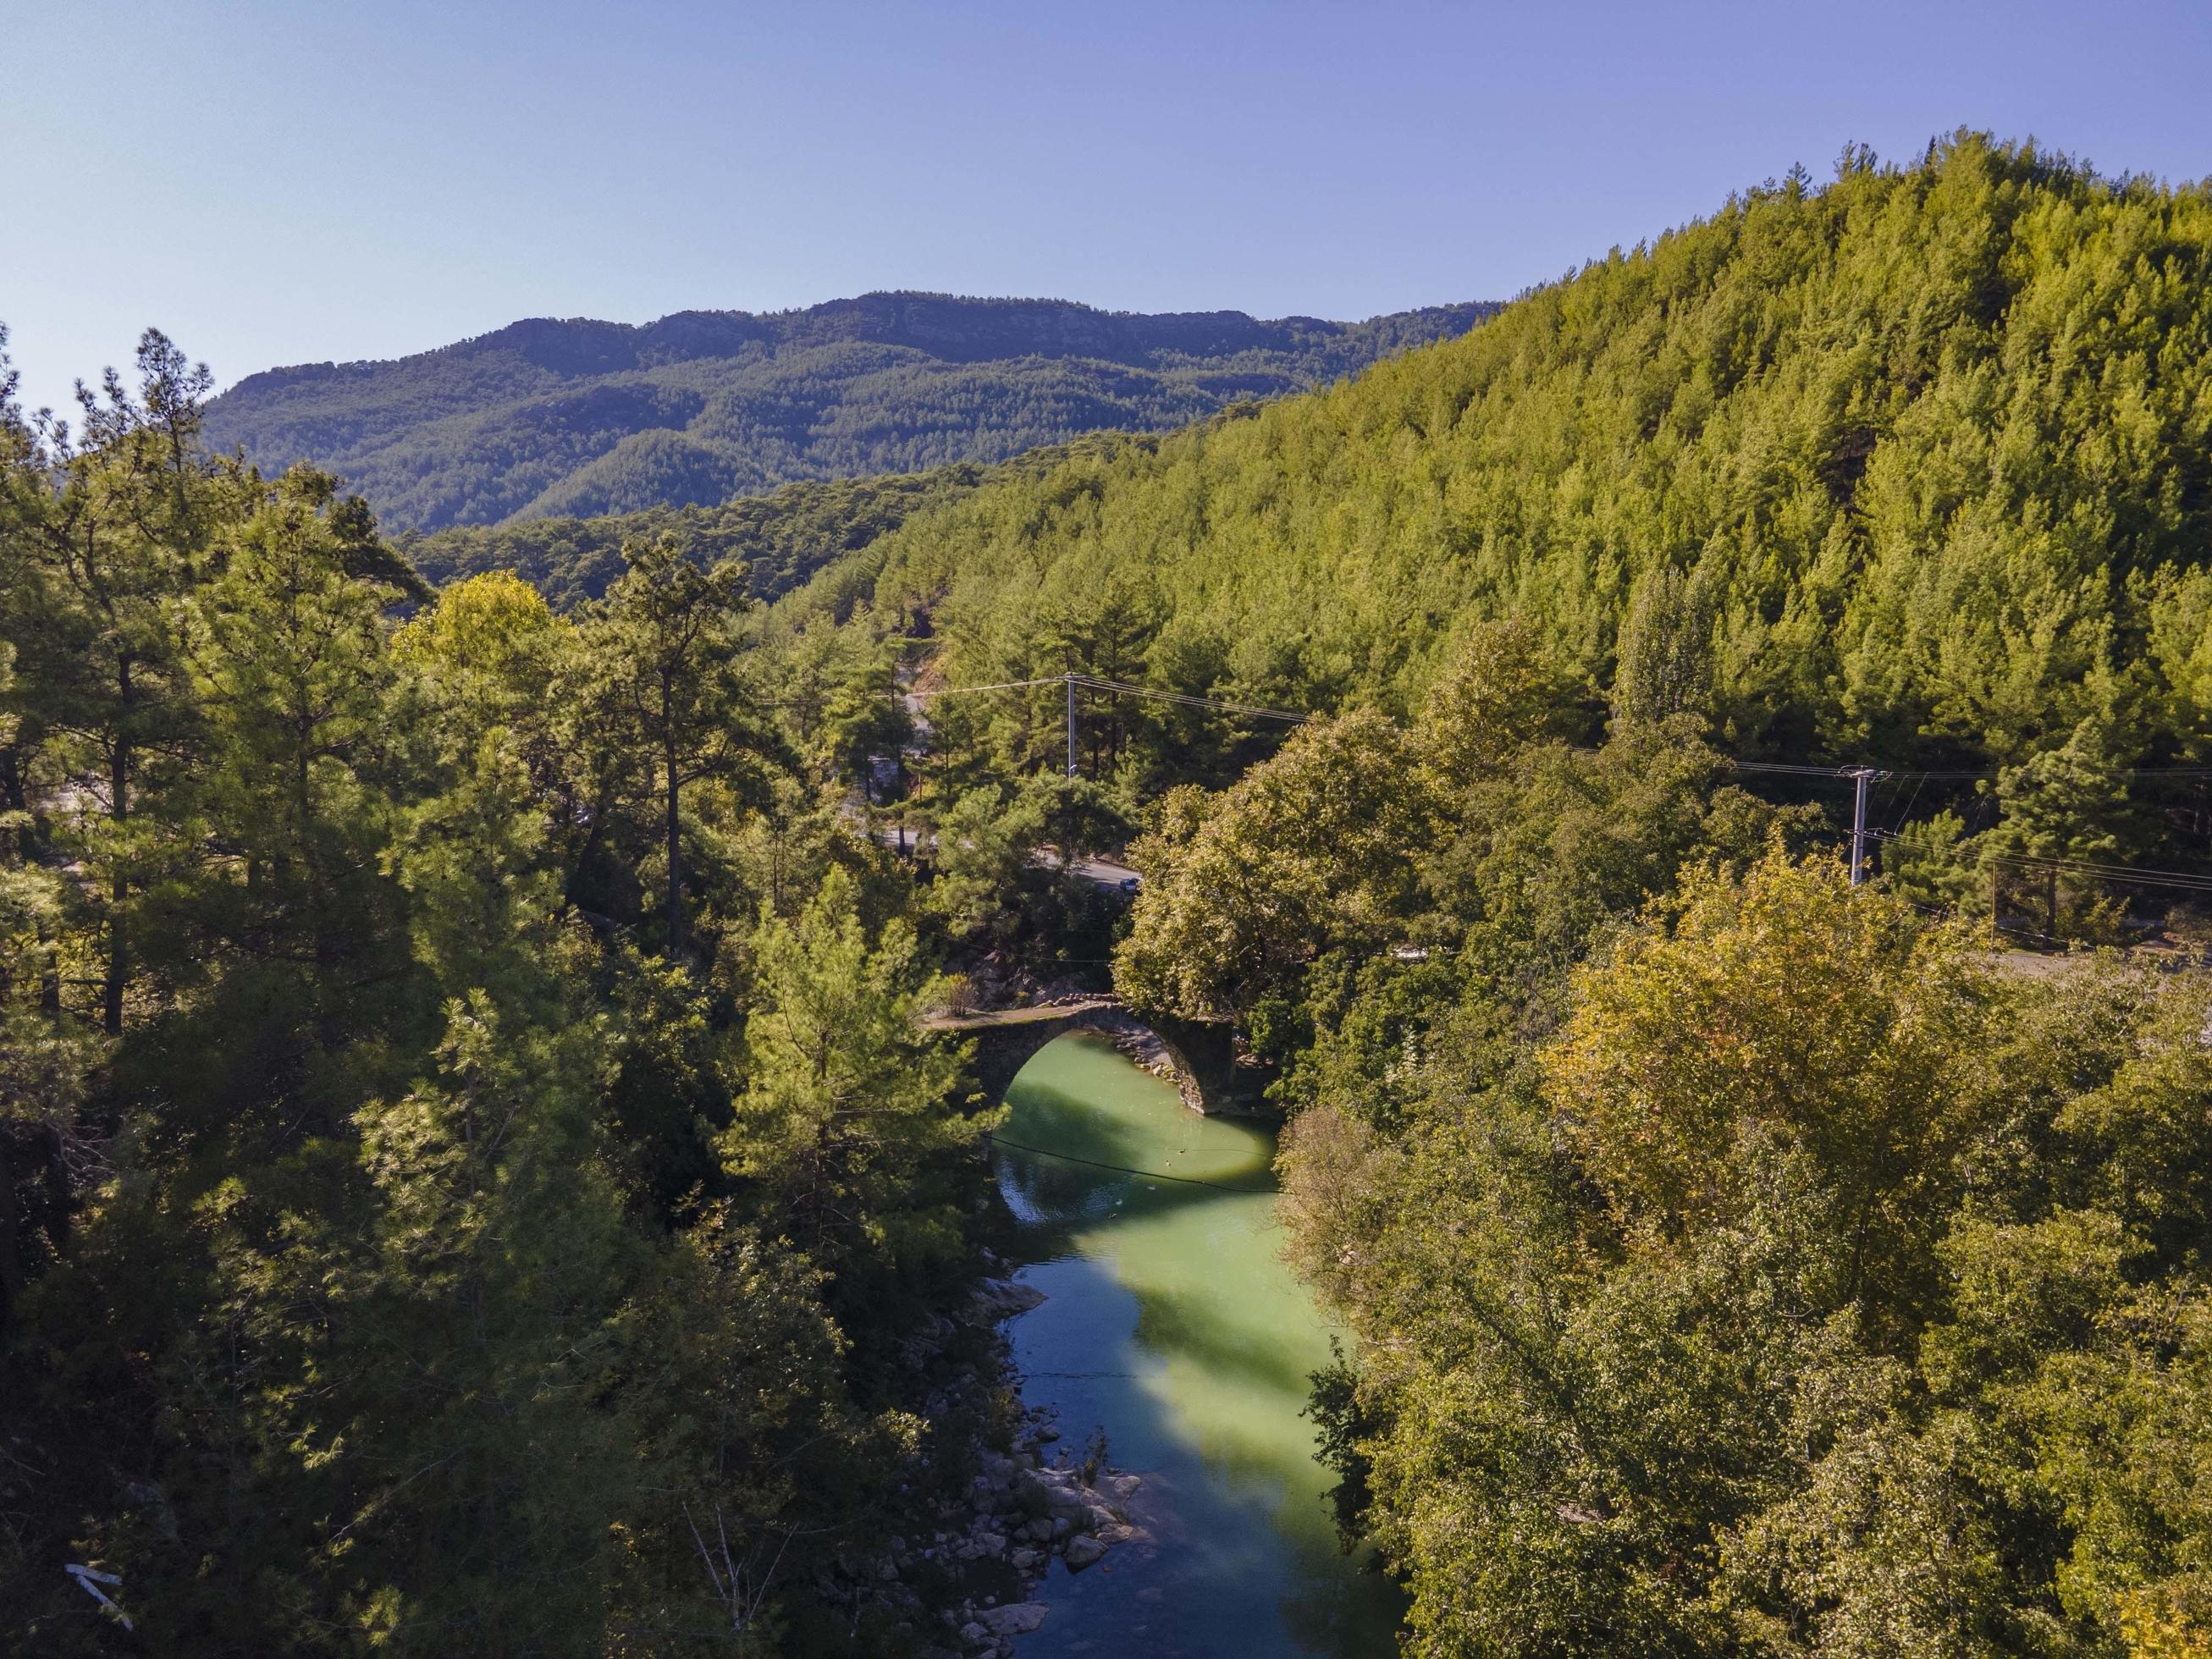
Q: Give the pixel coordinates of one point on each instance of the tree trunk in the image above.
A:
(49, 971)
(11, 799)
(118, 809)
(674, 853)
(898, 786)
(16, 796)
(11, 1260)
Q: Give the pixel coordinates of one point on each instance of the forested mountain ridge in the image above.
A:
(1916, 464)
(578, 418)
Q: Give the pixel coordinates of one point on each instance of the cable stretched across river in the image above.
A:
(1123, 1169)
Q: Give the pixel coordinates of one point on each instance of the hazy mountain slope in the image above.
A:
(784, 537)
(583, 418)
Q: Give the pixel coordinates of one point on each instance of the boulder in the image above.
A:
(1002, 1298)
(1084, 1552)
(1018, 1618)
(1058, 1493)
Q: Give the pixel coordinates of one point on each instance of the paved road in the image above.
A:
(1036, 1014)
(1102, 873)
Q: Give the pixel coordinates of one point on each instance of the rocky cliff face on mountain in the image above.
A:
(581, 416)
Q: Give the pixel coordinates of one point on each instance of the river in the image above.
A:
(1172, 1325)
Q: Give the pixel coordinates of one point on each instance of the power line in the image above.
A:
(1123, 1169)
(1788, 769)
(999, 685)
(1946, 776)
(1785, 769)
(1859, 774)
(1906, 811)
(1121, 688)
(2113, 872)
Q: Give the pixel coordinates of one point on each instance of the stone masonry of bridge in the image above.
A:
(1198, 1061)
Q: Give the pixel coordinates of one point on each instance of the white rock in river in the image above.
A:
(1060, 1493)
(1019, 1619)
(1002, 1298)
(1084, 1552)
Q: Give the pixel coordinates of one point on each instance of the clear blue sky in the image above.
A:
(283, 182)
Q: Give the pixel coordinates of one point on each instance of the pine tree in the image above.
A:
(851, 1117)
(116, 532)
(664, 653)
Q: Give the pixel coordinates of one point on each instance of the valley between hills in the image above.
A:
(513, 861)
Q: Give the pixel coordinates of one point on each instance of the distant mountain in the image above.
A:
(579, 418)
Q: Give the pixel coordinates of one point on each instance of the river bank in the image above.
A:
(1010, 1497)
(1035, 1502)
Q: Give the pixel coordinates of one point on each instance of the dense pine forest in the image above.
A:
(467, 1122)
(1910, 469)
(467, 1142)
(547, 418)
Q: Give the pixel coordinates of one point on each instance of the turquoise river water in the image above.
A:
(1173, 1325)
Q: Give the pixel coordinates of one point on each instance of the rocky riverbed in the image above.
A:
(962, 1582)
(1039, 1500)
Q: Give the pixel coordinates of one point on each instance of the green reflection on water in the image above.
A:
(1173, 1323)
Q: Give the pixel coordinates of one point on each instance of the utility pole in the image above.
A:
(1862, 777)
(1070, 677)
(898, 759)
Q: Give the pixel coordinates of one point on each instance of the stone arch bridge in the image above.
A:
(1197, 1060)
